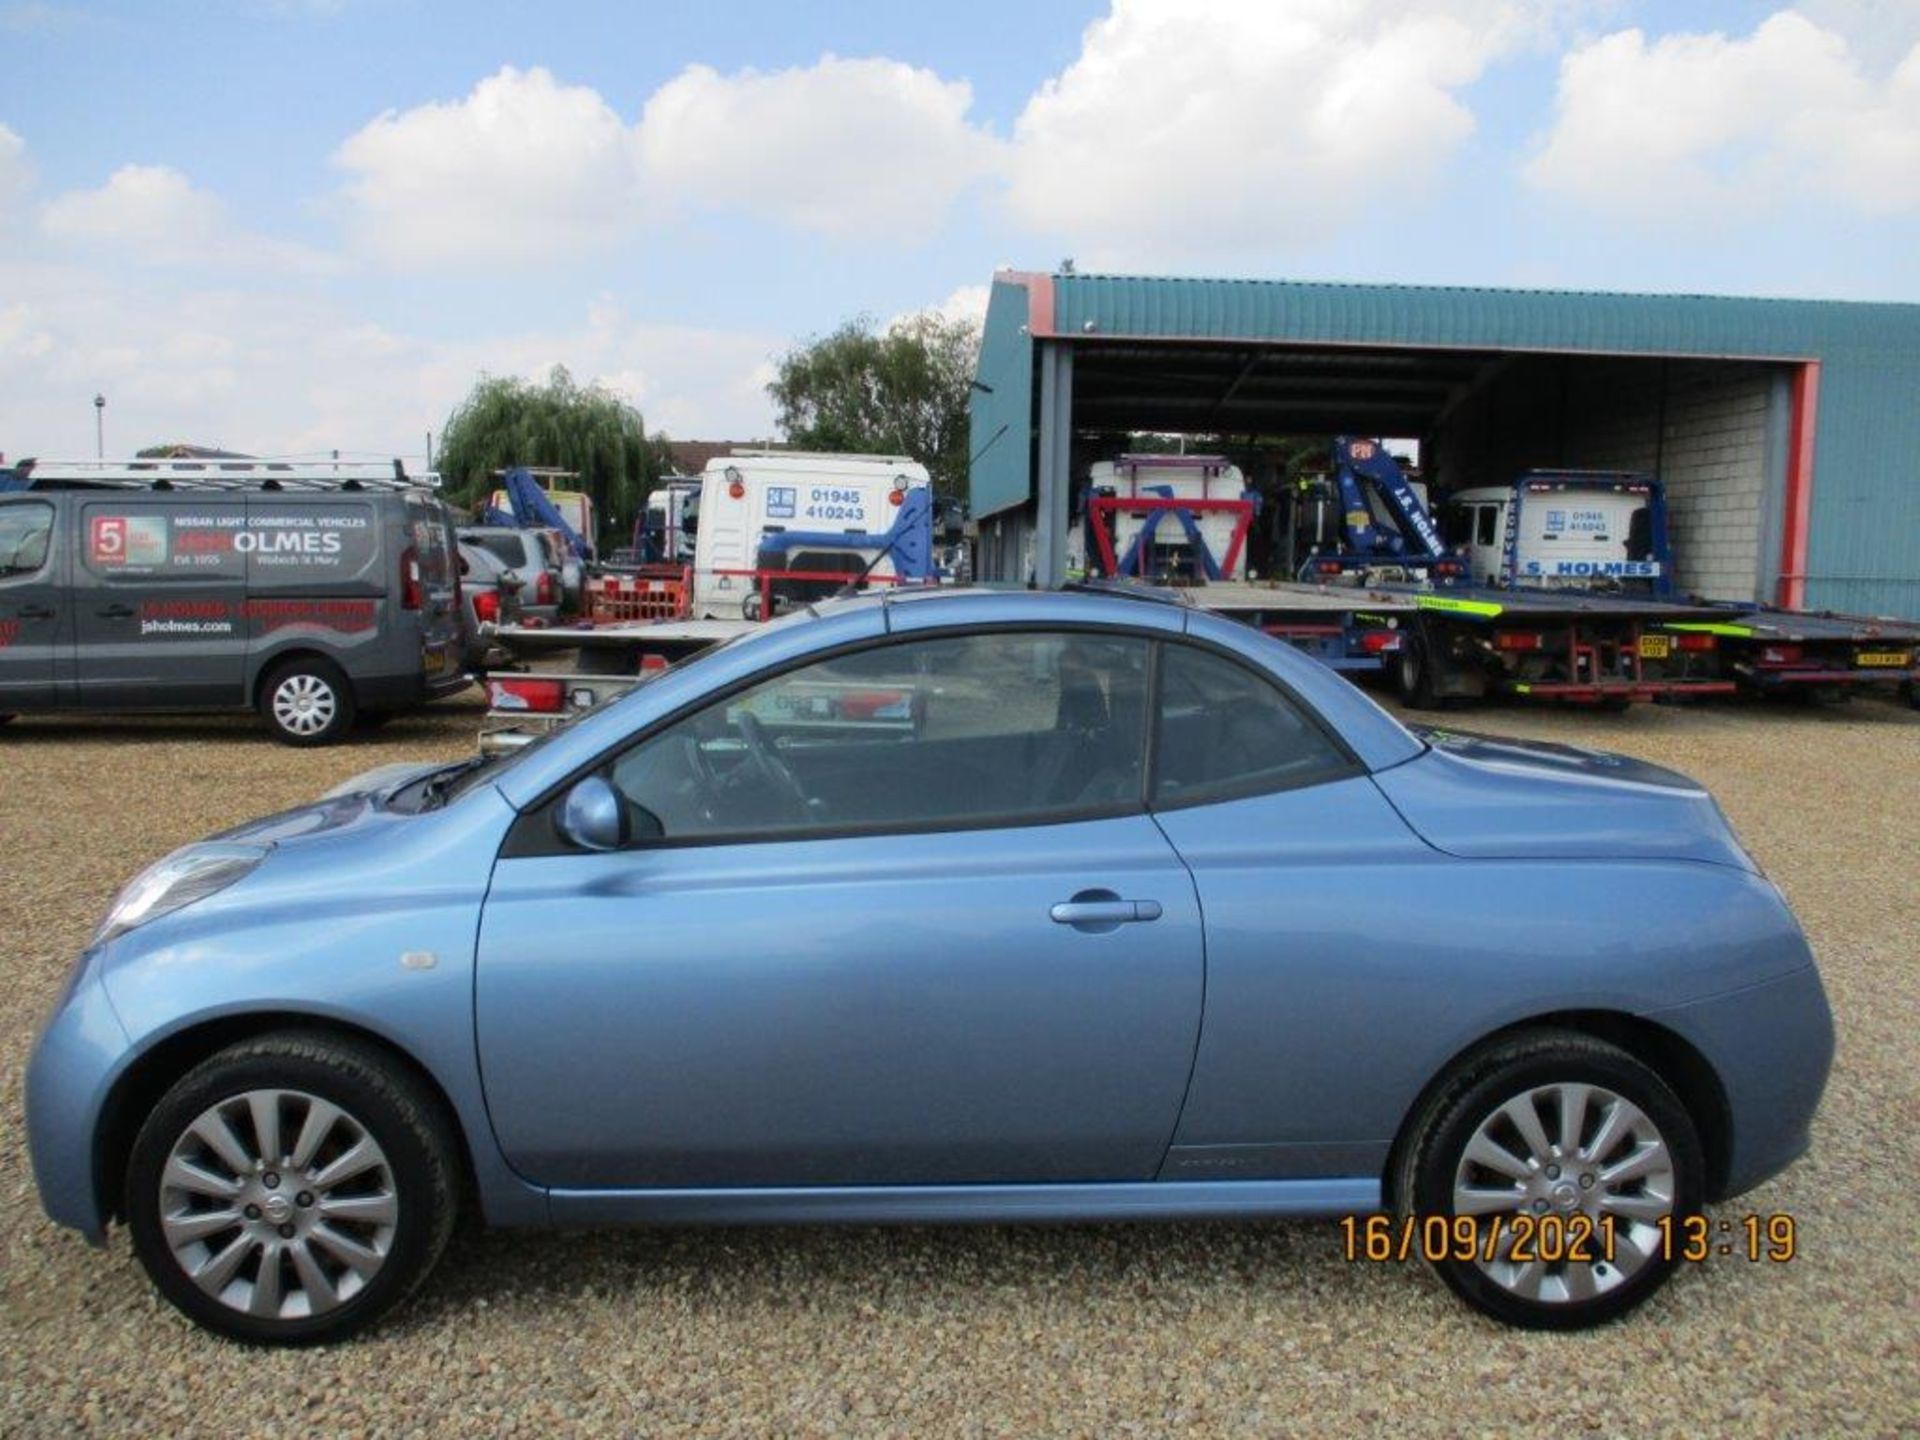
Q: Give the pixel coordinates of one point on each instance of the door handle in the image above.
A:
(34, 612)
(1101, 910)
(116, 612)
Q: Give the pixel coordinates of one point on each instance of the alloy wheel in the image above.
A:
(278, 1204)
(1567, 1149)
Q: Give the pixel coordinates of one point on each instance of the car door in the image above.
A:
(1321, 973)
(898, 917)
(160, 615)
(33, 605)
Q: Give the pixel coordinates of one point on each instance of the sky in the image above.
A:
(293, 226)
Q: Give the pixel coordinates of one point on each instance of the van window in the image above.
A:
(24, 532)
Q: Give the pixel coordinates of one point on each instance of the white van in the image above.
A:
(1570, 532)
(776, 527)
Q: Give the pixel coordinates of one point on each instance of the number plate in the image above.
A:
(1883, 657)
(1655, 647)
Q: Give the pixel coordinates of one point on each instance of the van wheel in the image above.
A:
(307, 702)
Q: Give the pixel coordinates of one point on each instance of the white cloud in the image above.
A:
(523, 168)
(155, 214)
(16, 170)
(276, 371)
(1692, 125)
(1186, 130)
(967, 302)
(869, 148)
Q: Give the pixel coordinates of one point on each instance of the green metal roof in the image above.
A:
(1864, 534)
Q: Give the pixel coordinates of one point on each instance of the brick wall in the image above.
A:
(1702, 426)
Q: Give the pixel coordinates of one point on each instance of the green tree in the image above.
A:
(898, 391)
(584, 428)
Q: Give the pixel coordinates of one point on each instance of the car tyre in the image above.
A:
(307, 702)
(1634, 1156)
(346, 1245)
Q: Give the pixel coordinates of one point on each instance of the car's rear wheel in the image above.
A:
(1576, 1164)
(292, 1189)
(307, 702)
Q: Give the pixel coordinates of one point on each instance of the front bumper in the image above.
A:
(75, 1063)
(1771, 1045)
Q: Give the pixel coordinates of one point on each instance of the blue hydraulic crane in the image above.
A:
(1359, 463)
(531, 509)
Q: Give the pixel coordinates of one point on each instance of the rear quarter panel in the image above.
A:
(1348, 962)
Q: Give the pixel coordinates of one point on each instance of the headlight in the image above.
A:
(176, 882)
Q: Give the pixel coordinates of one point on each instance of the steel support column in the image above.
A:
(1054, 448)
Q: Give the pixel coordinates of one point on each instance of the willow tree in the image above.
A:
(561, 423)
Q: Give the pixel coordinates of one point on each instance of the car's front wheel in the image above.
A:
(1575, 1165)
(292, 1189)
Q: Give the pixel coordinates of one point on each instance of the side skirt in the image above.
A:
(971, 1204)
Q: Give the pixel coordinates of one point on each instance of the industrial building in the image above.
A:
(1787, 431)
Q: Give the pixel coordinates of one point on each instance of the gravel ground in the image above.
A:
(1096, 1331)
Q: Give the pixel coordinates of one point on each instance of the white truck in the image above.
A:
(779, 526)
(1164, 517)
(1560, 530)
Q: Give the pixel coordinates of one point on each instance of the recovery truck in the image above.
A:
(1379, 591)
(773, 531)
(1605, 533)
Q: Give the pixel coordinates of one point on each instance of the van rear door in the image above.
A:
(442, 643)
(159, 592)
(33, 605)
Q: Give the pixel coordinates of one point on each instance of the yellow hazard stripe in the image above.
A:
(1710, 629)
(1458, 607)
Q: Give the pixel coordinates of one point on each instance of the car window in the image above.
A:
(1489, 520)
(24, 531)
(1224, 732)
(961, 731)
(505, 547)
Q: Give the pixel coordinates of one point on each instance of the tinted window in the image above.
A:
(1224, 731)
(1489, 523)
(954, 731)
(505, 548)
(24, 530)
(1459, 523)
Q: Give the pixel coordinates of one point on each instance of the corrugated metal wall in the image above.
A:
(1864, 547)
(1000, 411)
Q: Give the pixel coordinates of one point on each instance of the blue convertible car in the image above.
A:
(957, 906)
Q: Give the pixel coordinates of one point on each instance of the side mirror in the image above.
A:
(593, 816)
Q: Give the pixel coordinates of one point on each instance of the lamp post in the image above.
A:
(99, 427)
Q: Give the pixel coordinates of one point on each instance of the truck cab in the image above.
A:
(783, 527)
(1166, 518)
(1562, 530)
